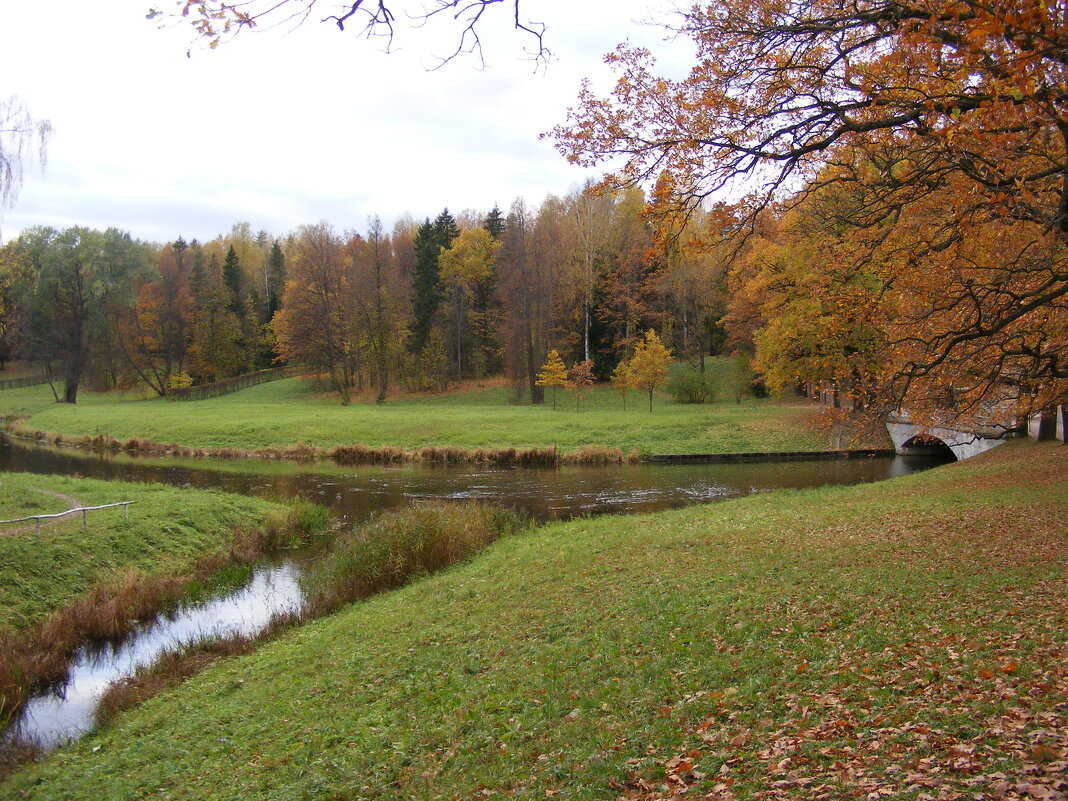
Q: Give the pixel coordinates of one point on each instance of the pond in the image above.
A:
(54, 715)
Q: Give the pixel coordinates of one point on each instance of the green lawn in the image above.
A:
(288, 412)
(902, 639)
(169, 530)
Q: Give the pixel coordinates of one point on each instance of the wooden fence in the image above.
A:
(83, 509)
(218, 388)
(26, 381)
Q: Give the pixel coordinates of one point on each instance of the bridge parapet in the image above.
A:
(910, 438)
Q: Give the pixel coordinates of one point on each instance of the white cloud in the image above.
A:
(284, 129)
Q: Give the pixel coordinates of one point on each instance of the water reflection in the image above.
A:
(544, 493)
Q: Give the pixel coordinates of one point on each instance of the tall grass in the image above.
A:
(395, 547)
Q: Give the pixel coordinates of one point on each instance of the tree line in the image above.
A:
(416, 307)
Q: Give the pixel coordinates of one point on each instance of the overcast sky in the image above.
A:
(284, 128)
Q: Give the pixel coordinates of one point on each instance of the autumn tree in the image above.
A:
(590, 215)
(581, 379)
(315, 326)
(465, 266)
(217, 350)
(553, 374)
(379, 294)
(523, 298)
(155, 336)
(946, 117)
(623, 380)
(627, 304)
(648, 367)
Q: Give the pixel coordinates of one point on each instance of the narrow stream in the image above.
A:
(55, 715)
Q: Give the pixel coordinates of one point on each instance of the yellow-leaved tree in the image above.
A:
(648, 366)
(553, 374)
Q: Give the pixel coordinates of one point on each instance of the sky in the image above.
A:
(162, 137)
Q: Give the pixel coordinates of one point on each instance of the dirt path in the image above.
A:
(72, 503)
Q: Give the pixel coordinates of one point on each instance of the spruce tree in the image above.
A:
(424, 284)
(494, 222)
(276, 280)
(232, 277)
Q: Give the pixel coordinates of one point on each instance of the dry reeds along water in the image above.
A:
(392, 548)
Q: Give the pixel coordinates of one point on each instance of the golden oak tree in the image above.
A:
(945, 119)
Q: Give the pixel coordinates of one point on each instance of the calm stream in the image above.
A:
(57, 714)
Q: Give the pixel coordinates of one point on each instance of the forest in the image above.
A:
(414, 308)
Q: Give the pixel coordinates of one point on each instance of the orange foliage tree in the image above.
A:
(942, 127)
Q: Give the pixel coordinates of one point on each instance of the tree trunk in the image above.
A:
(1047, 425)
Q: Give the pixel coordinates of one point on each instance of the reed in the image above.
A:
(395, 547)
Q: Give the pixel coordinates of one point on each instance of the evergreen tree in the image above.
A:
(494, 222)
(232, 276)
(424, 284)
(276, 280)
(430, 239)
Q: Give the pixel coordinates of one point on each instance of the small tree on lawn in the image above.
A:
(623, 381)
(553, 374)
(581, 380)
(649, 365)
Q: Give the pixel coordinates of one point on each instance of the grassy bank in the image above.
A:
(903, 638)
(287, 413)
(66, 583)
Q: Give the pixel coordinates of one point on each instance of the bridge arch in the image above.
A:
(926, 445)
(909, 438)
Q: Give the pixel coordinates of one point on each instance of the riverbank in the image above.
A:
(64, 584)
(289, 418)
(904, 637)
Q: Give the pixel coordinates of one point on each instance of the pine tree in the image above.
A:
(232, 276)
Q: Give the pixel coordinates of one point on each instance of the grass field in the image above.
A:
(904, 639)
(284, 413)
(169, 530)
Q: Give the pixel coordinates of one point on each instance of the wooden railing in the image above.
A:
(229, 385)
(25, 381)
(83, 509)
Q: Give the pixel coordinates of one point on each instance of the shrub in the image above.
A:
(689, 385)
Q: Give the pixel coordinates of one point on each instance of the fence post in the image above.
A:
(85, 519)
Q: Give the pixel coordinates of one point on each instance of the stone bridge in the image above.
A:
(911, 439)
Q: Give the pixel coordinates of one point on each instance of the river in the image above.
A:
(54, 715)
